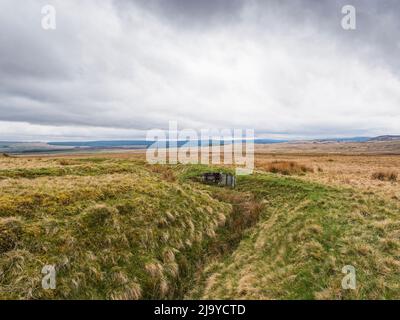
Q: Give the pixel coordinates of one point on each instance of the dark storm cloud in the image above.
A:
(376, 36)
(378, 22)
(276, 66)
(189, 13)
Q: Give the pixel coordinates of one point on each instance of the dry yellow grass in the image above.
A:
(284, 167)
(385, 176)
(355, 171)
(305, 234)
(326, 148)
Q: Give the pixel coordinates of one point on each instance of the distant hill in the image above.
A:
(386, 138)
(30, 147)
(140, 143)
(351, 139)
(268, 141)
(103, 144)
(12, 147)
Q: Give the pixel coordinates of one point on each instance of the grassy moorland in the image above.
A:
(378, 173)
(305, 235)
(118, 228)
(114, 229)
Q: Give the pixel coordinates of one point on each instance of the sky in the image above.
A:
(114, 69)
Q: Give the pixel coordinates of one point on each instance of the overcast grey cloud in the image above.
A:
(113, 69)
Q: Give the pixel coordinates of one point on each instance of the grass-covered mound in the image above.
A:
(123, 229)
(306, 234)
(113, 229)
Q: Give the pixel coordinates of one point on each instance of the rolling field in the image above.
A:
(343, 170)
(113, 228)
(118, 228)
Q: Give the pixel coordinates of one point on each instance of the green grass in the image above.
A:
(306, 234)
(111, 236)
(93, 168)
(121, 229)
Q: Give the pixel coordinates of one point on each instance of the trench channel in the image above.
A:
(246, 210)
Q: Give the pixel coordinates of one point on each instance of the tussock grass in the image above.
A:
(67, 162)
(90, 169)
(285, 167)
(121, 229)
(385, 176)
(114, 230)
(10, 233)
(306, 234)
(165, 172)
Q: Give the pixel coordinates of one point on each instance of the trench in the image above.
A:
(246, 210)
